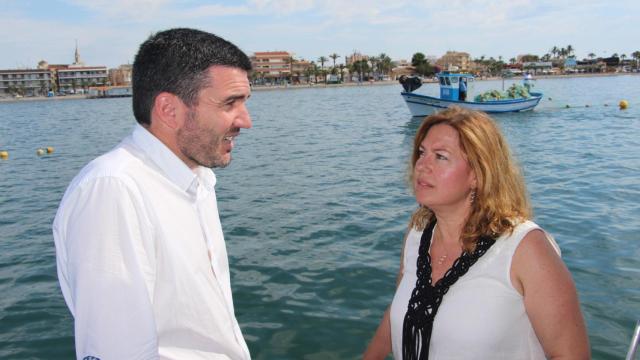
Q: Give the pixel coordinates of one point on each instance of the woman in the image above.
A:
(478, 279)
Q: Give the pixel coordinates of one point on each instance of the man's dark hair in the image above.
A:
(176, 61)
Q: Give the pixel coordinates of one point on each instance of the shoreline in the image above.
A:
(321, 85)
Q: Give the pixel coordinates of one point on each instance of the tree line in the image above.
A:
(374, 67)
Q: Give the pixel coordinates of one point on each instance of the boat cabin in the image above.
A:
(450, 85)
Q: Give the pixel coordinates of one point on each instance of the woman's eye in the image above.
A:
(441, 157)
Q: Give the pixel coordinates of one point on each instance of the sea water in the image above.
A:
(315, 204)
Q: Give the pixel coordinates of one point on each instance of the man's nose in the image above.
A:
(244, 119)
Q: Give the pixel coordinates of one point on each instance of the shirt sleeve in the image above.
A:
(102, 273)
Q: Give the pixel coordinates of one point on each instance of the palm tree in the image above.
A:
(360, 67)
(323, 60)
(622, 57)
(385, 63)
(636, 55)
(334, 56)
(591, 56)
(309, 71)
(562, 52)
(421, 64)
(570, 50)
(374, 64)
(554, 50)
(316, 71)
(417, 59)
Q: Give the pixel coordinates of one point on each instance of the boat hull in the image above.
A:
(423, 105)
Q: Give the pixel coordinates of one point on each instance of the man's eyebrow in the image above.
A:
(232, 98)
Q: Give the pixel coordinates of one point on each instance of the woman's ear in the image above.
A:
(473, 180)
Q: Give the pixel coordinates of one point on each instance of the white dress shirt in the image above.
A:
(142, 261)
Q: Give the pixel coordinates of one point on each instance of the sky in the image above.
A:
(108, 32)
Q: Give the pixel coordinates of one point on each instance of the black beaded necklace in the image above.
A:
(425, 298)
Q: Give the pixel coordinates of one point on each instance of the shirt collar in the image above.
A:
(174, 169)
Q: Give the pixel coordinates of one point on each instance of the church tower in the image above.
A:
(77, 61)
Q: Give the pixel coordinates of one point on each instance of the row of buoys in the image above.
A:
(623, 104)
(42, 151)
(4, 155)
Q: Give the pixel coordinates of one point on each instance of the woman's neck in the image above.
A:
(451, 224)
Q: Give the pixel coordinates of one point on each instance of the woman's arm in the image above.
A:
(550, 298)
(380, 345)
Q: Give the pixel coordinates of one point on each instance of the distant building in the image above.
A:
(451, 59)
(121, 75)
(53, 77)
(611, 62)
(300, 71)
(590, 66)
(512, 69)
(271, 67)
(25, 82)
(538, 67)
(70, 78)
(356, 56)
(74, 77)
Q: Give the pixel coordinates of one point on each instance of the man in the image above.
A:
(141, 257)
(463, 89)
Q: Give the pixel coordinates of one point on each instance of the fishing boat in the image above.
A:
(453, 88)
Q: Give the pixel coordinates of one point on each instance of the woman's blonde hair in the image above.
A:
(500, 195)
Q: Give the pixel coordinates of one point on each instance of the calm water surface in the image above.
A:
(315, 204)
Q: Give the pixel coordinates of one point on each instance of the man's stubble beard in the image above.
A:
(196, 145)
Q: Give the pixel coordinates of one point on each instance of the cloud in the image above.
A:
(31, 40)
(129, 10)
(109, 31)
(213, 11)
(282, 7)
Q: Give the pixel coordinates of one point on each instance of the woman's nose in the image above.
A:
(423, 163)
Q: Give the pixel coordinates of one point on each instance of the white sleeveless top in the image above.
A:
(482, 316)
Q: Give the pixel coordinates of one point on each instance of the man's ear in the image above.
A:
(167, 111)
